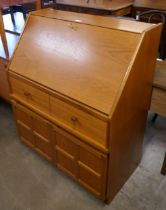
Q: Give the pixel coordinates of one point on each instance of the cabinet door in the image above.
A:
(34, 130)
(42, 136)
(65, 153)
(92, 170)
(85, 164)
(24, 124)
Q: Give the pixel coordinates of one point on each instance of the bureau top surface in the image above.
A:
(76, 57)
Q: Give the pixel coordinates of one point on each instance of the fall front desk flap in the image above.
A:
(84, 57)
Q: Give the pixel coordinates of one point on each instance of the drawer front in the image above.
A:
(158, 101)
(30, 94)
(79, 120)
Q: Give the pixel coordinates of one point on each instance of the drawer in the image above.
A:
(78, 120)
(29, 94)
(158, 101)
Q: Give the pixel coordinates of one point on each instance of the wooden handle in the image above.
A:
(74, 119)
(27, 94)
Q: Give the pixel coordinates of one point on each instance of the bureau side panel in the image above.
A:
(129, 118)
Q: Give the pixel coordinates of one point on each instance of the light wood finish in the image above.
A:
(29, 94)
(4, 86)
(80, 161)
(150, 4)
(158, 102)
(112, 23)
(79, 120)
(97, 75)
(104, 7)
(34, 130)
(89, 53)
(129, 131)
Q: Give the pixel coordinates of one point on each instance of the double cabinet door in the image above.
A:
(79, 160)
(33, 130)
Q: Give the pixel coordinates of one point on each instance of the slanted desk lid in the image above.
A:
(84, 62)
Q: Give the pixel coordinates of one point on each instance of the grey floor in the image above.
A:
(28, 182)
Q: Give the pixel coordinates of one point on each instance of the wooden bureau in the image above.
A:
(80, 89)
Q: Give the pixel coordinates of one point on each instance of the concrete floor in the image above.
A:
(29, 182)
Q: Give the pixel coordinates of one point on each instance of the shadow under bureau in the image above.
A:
(80, 89)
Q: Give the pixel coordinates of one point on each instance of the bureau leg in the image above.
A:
(163, 170)
(154, 117)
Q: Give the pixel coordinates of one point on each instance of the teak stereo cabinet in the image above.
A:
(81, 88)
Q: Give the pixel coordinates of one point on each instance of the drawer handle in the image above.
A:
(74, 119)
(27, 94)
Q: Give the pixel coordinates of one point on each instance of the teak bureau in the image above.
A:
(80, 89)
